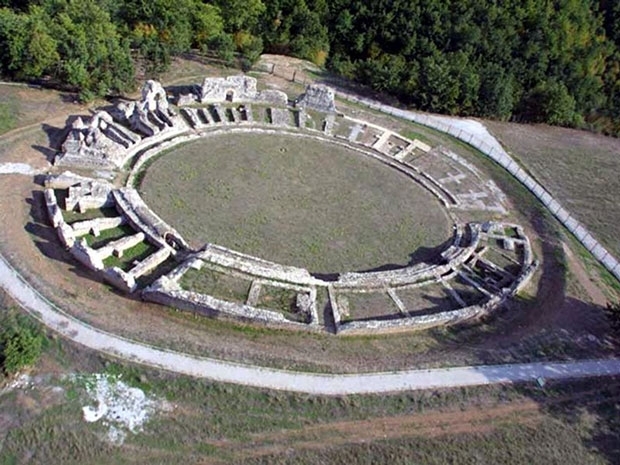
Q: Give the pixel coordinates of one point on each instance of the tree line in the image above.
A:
(554, 61)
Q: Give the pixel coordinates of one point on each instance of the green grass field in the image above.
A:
(577, 167)
(296, 201)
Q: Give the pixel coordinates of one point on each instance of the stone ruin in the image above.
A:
(104, 140)
(150, 115)
(231, 88)
(317, 97)
(140, 130)
(235, 89)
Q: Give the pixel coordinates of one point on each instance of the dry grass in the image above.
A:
(569, 423)
(579, 168)
(295, 201)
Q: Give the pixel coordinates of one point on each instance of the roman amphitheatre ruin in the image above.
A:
(228, 203)
(127, 239)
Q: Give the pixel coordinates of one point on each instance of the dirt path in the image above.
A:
(323, 384)
(428, 425)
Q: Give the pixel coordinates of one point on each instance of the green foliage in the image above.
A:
(296, 27)
(207, 25)
(241, 15)
(21, 343)
(550, 102)
(482, 57)
(556, 62)
(72, 41)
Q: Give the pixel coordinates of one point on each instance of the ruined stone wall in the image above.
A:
(129, 204)
(235, 88)
(317, 97)
(165, 292)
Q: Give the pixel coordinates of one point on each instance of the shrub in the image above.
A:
(21, 344)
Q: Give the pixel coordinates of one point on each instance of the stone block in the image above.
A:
(317, 97)
(119, 279)
(232, 88)
(151, 262)
(66, 235)
(86, 256)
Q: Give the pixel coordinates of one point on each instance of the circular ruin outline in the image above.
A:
(163, 129)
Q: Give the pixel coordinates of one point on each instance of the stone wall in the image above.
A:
(501, 157)
(232, 88)
(166, 292)
(317, 97)
(129, 204)
(255, 266)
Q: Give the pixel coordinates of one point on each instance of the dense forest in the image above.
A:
(554, 61)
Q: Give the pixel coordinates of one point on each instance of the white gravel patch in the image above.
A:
(472, 127)
(121, 408)
(17, 168)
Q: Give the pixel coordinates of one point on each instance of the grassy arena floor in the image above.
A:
(296, 201)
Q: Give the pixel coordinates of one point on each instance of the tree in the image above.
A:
(207, 24)
(241, 15)
(93, 58)
(550, 102)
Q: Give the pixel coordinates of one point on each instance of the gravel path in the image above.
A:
(312, 383)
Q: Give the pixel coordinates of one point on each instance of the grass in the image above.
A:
(108, 235)
(282, 300)
(577, 423)
(548, 442)
(330, 210)
(578, 168)
(7, 115)
(135, 254)
(216, 284)
(73, 216)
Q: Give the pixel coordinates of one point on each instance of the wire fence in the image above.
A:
(497, 154)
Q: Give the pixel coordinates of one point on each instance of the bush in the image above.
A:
(21, 344)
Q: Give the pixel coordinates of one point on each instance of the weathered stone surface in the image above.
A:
(151, 262)
(113, 137)
(232, 88)
(129, 204)
(119, 279)
(102, 142)
(255, 266)
(66, 235)
(166, 292)
(272, 97)
(53, 210)
(64, 180)
(118, 247)
(89, 194)
(86, 256)
(416, 322)
(317, 97)
(96, 225)
(92, 143)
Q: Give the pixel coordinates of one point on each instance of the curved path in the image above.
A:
(312, 383)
